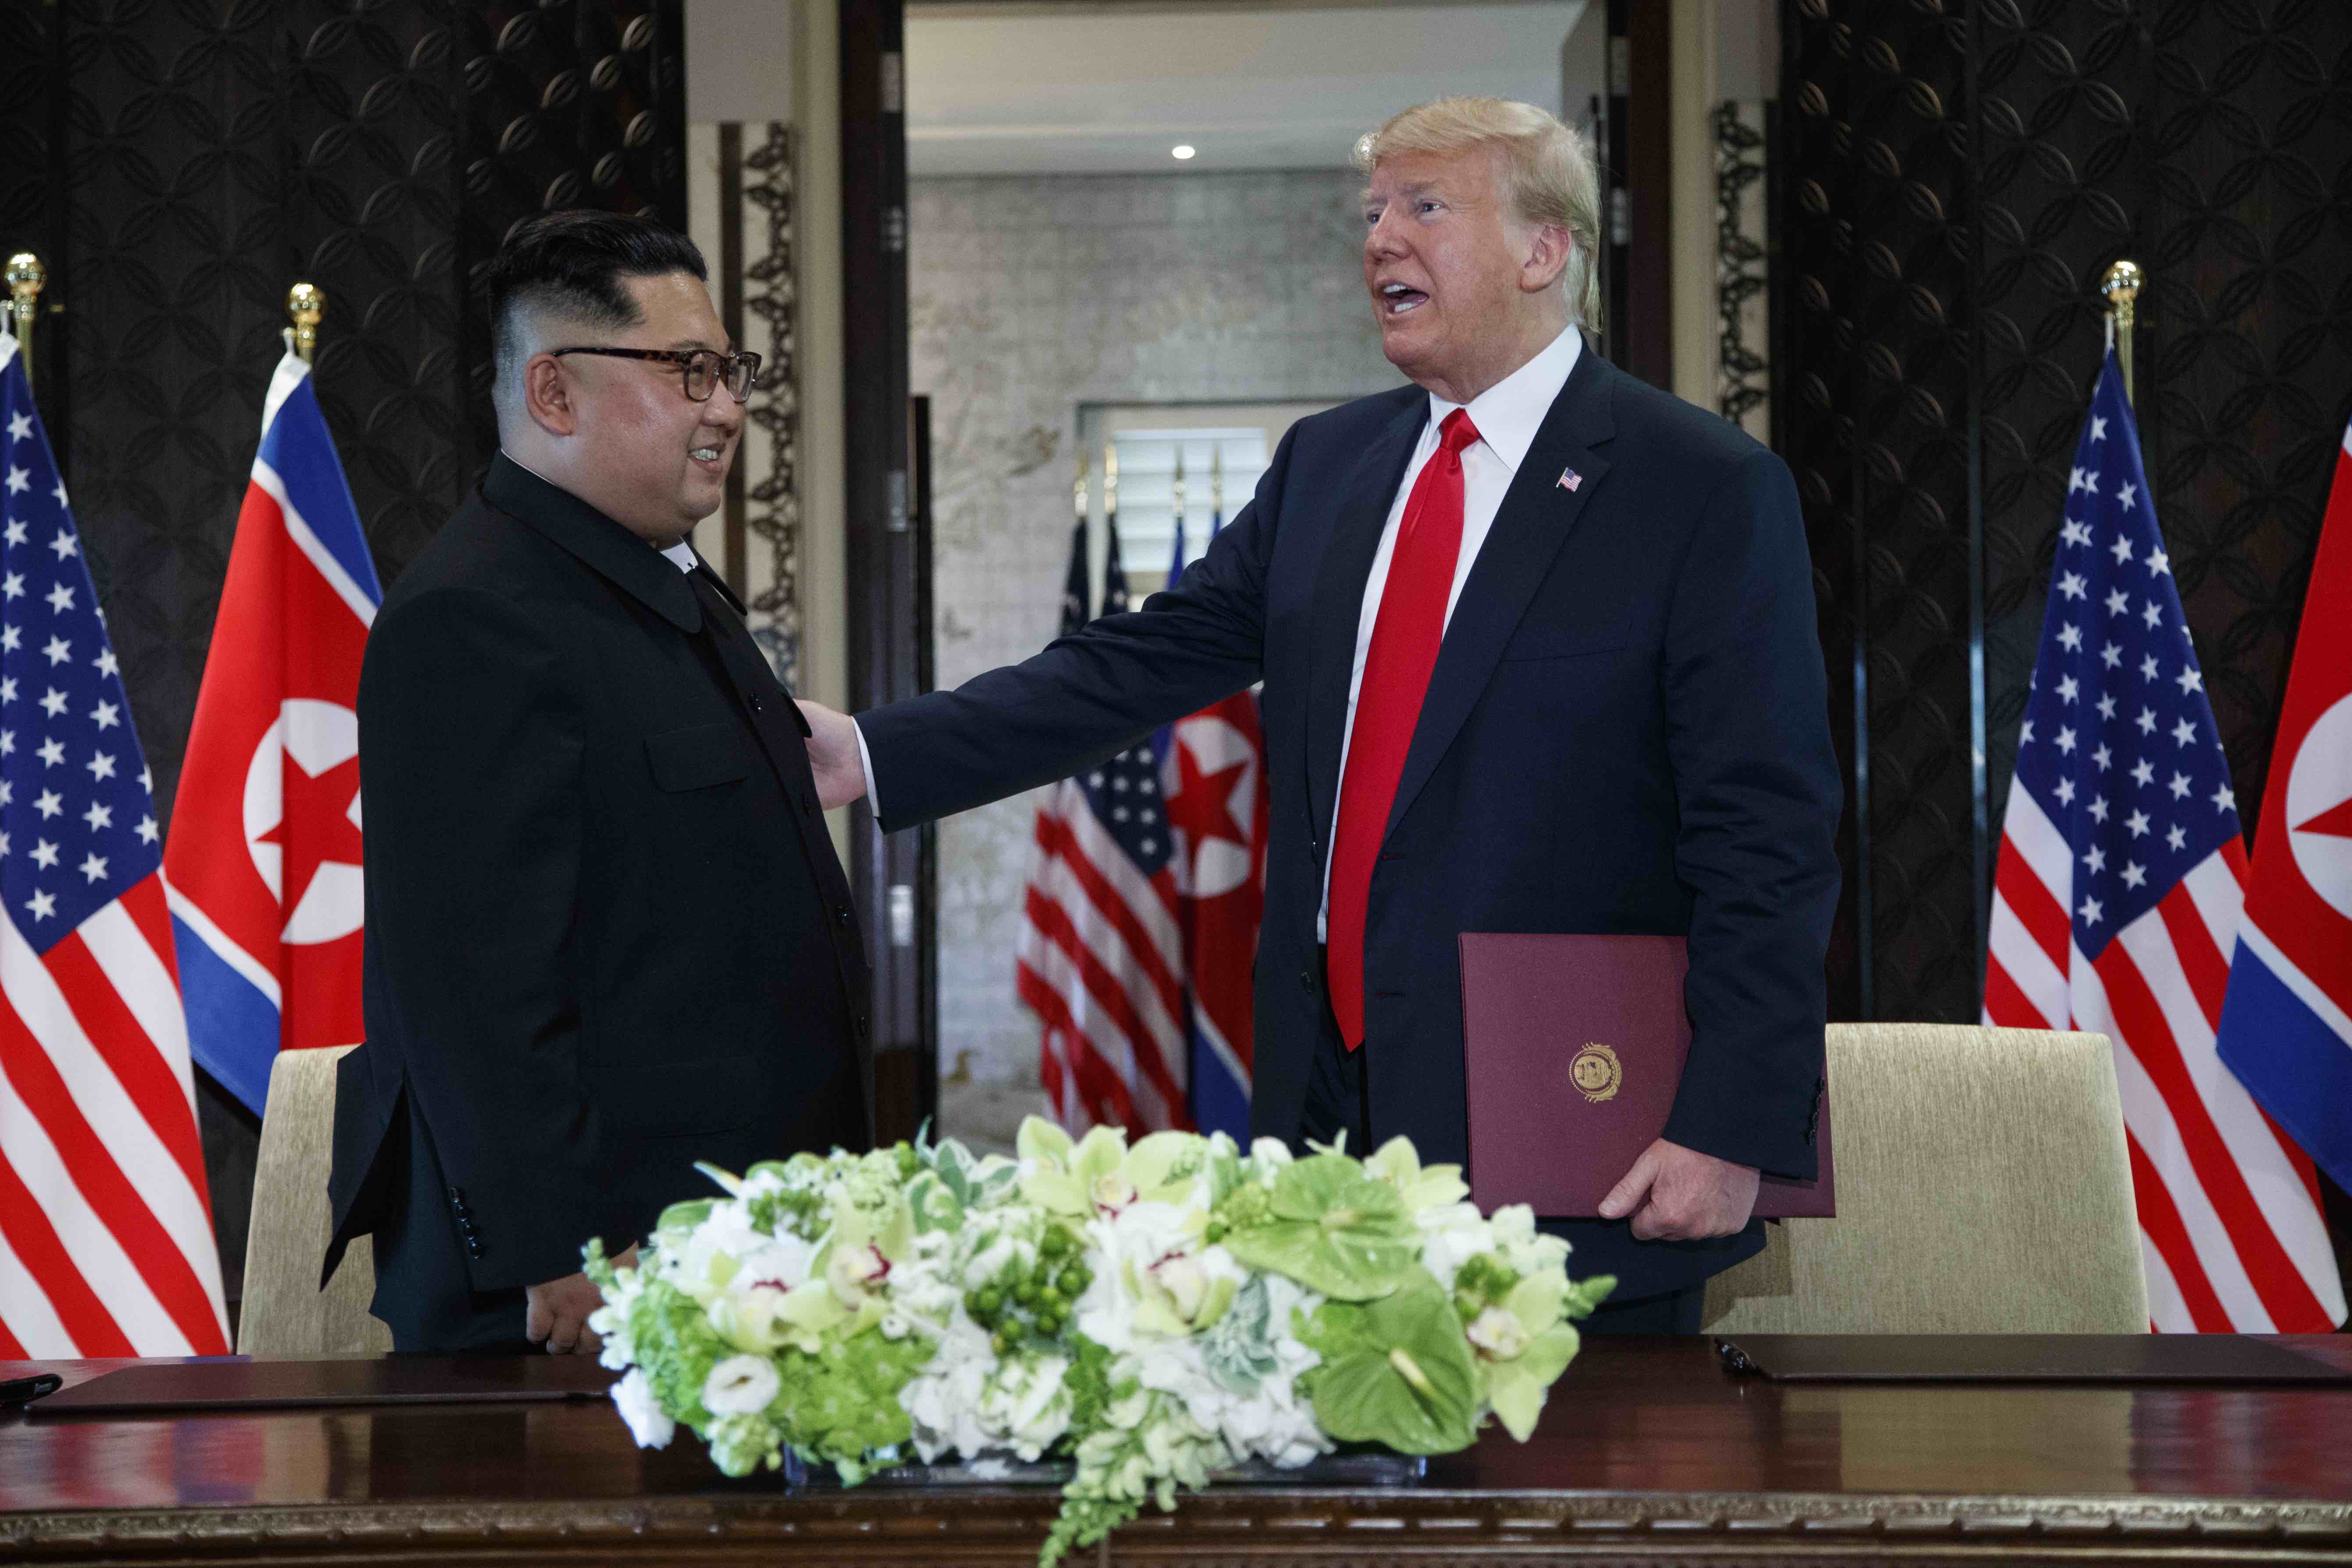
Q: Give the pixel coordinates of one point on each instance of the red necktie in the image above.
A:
(1405, 635)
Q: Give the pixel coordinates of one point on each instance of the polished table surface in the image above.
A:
(1648, 1451)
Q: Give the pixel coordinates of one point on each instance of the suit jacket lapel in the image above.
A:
(1366, 495)
(1535, 520)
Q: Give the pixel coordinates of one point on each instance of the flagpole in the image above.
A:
(2121, 285)
(25, 277)
(305, 304)
(1177, 497)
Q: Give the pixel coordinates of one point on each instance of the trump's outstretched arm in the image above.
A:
(1085, 698)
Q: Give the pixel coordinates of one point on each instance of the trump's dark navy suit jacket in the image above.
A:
(1626, 731)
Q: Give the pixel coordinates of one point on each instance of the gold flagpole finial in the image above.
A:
(305, 303)
(1111, 482)
(26, 278)
(2121, 285)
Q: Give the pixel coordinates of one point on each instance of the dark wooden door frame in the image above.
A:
(888, 625)
(1637, 181)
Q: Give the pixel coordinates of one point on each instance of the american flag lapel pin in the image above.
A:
(1569, 479)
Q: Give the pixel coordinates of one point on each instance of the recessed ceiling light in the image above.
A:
(1181, 150)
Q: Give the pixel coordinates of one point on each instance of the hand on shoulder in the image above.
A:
(834, 755)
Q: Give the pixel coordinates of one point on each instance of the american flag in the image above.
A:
(2116, 909)
(105, 1241)
(1101, 956)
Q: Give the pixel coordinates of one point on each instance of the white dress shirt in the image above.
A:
(1507, 415)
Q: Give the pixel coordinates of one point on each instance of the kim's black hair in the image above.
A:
(571, 264)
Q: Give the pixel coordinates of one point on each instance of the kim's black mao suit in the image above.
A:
(607, 935)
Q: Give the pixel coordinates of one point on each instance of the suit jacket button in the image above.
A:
(842, 914)
(755, 702)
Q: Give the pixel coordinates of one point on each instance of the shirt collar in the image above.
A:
(680, 554)
(1509, 413)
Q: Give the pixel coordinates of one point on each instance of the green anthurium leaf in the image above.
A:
(1395, 1371)
(1333, 1229)
(1517, 1387)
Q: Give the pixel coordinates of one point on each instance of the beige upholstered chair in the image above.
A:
(1983, 1187)
(285, 1312)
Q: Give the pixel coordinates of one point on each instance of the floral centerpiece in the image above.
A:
(1155, 1312)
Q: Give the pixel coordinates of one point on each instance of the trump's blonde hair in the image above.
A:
(1547, 173)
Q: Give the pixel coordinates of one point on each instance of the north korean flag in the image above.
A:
(1216, 798)
(263, 860)
(2286, 1026)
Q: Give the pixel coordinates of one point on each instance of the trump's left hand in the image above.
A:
(1677, 1194)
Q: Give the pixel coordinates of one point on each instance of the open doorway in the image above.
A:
(1133, 245)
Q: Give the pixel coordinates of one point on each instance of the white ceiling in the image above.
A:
(1063, 92)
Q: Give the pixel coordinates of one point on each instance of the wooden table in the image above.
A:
(1648, 1451)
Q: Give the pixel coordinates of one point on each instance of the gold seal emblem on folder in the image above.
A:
(1597, 1071)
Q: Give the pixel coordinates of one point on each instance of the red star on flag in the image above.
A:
(315, 826)
(1203, 803)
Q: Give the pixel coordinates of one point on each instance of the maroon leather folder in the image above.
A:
(1574, 1048)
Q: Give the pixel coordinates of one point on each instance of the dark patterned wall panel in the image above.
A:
(174, 263)
(1814, 373)
(1910, 274)
(2058, 129)
(372, 203)
(1958, 178)
(2245, 229)
(571, 104)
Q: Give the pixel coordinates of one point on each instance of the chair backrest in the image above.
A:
(1983, 1187)
(284, 1311)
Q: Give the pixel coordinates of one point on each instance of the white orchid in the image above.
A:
(648, 1423)
(740, 1385)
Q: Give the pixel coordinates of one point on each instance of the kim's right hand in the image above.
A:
(555, 1311)
(834, 756)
